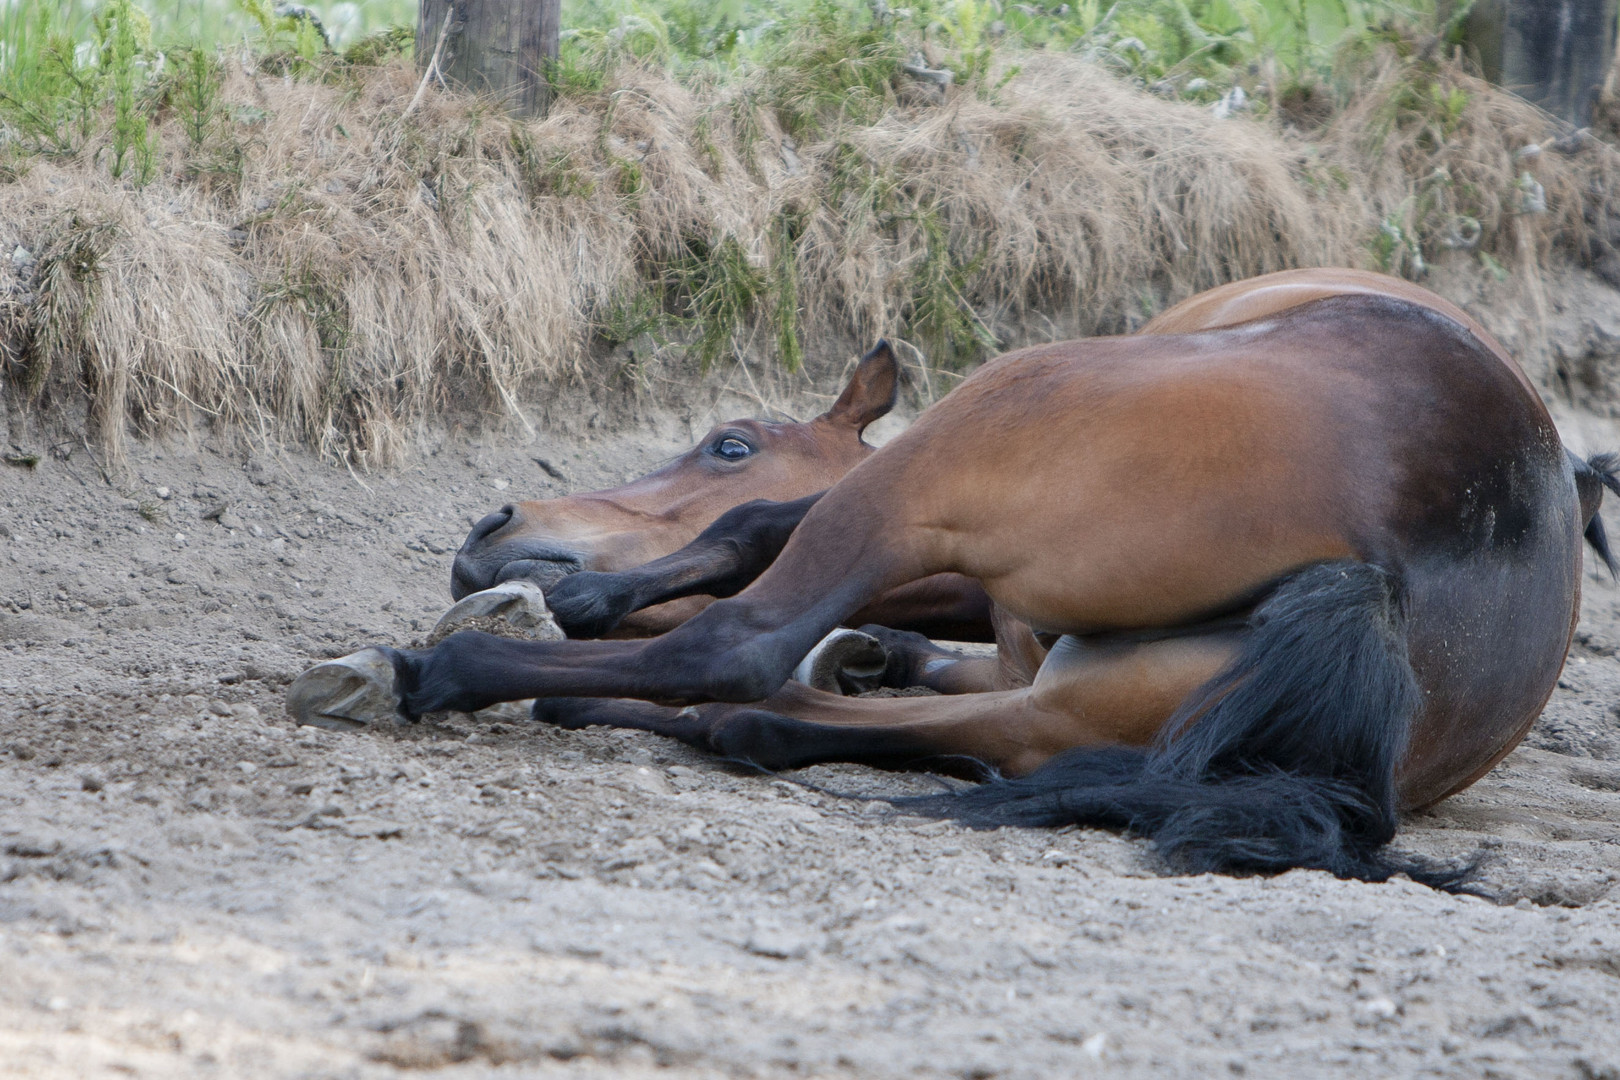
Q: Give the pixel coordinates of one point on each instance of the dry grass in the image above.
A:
(323, 267)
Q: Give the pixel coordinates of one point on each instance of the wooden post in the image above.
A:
(1556, 53)
(499, 47)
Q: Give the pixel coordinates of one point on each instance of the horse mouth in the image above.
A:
(475, 571)
(543, 573)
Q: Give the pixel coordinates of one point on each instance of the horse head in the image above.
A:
(738, 461)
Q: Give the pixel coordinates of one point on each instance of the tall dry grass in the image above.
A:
(324, 266)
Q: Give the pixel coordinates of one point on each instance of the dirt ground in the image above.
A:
(190, 885)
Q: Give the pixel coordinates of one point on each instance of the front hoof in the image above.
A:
(844, 662)
(510, 609)
(353, 691)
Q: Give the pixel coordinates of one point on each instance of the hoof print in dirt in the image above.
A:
(354, 691)
(844, 662)
(515, 609)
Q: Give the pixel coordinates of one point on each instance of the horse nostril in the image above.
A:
(488, 524)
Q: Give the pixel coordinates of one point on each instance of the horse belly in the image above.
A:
(1120, 547)
(1136, 584)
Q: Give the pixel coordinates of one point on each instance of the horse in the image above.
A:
(619, 529)
(1297, 571)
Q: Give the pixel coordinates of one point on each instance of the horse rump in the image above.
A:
(1286, 759)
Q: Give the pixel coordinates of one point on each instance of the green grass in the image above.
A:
(62, 62)
(88, 77)
(1150, 39)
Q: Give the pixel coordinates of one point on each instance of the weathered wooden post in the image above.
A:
(1555, 53)
(500, 47)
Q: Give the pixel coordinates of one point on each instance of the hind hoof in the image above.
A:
(845, 662)
(351, 692)
(510, 609)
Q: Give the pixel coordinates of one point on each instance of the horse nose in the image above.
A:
(488, 524)
(468, 573)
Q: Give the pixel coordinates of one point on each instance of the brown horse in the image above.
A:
(619, 529)
(1298, 570)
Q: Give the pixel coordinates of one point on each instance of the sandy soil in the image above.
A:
(192, 886)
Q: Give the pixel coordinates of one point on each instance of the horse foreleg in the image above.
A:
(723, 560)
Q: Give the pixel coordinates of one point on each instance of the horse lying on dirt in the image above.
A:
(1298, 571)
(623, 529)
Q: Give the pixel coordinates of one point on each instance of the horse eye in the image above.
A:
(733, 449)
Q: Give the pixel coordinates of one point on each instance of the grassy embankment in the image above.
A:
(259, 228)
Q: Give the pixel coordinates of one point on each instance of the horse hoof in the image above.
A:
(353, 691)
(510, 609)
(845, 662)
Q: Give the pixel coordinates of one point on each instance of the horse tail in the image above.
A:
(1591, 477)
(1286, 759)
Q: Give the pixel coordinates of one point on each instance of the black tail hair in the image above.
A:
(1591, 477)
(1287, 759)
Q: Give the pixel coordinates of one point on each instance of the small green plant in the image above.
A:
(552, 174)
(1397, 249)
(196, 93)
(940, 316)
(378, 48)
(784, 290)
(124, 32)
(721, 288)
(291, 36)
(831, 63)
(1494, 266)
(626, 318)
(48, 92)
(67, 276)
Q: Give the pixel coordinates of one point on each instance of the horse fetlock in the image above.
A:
(350, 692)
(769, 740)
(444, 678)
(569, 713)
(589, 604)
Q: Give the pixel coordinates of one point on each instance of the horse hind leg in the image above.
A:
(1286, 759)
(1083, 696)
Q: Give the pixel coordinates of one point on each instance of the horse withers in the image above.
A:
(1299, 571)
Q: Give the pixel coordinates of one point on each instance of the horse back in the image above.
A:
(1272, 294)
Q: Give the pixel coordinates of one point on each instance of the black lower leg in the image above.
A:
(752, 735)
(723, 560)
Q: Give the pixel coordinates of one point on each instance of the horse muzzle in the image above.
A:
(482, 563)
(475, 571)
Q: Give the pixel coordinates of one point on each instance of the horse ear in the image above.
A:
(871, 390)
